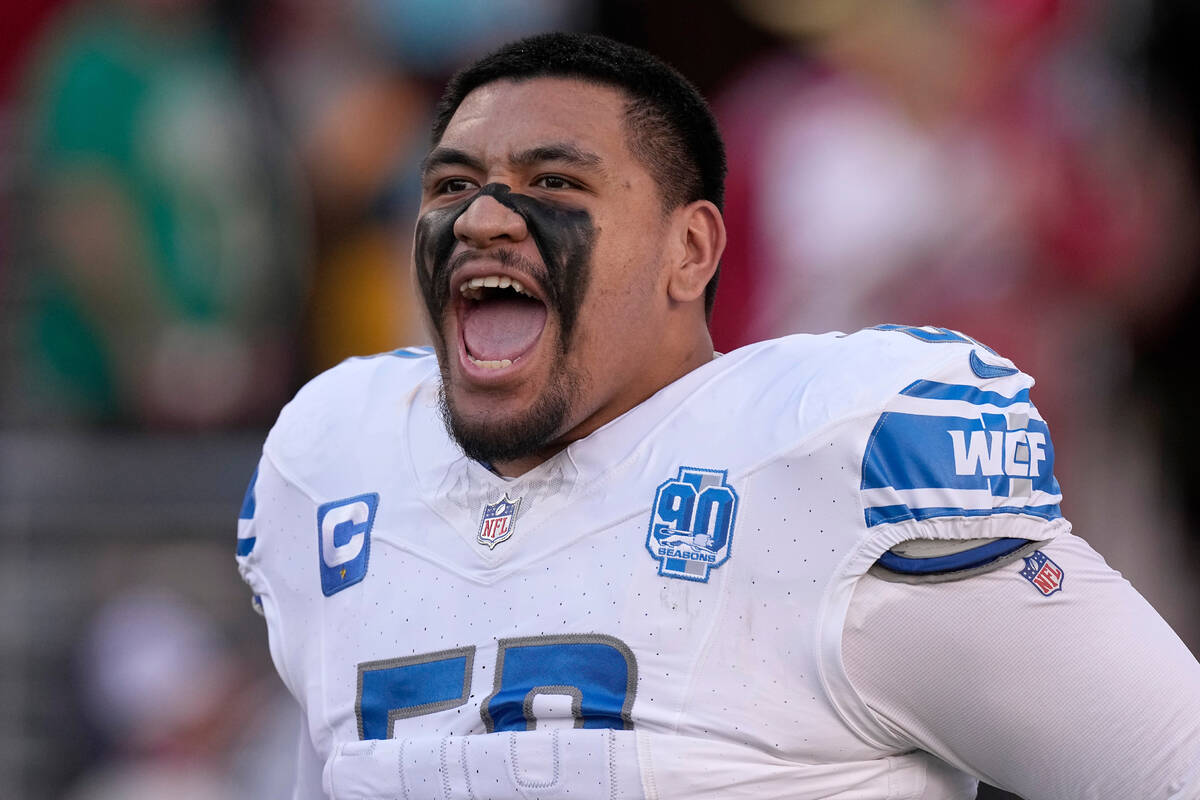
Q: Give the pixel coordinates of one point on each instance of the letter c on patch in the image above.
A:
(347, 524)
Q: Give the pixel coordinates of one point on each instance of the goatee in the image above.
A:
(492, 441)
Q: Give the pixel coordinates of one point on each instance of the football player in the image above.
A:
(572, 552)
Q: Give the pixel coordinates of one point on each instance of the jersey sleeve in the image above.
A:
(1050, 677)
(273, 514)
(960, 453)
(275, 517)
(309, 770)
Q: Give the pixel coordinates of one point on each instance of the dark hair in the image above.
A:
(671, 129)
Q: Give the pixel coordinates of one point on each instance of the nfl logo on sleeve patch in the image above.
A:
(499, 521)
(344, 539)
(691, 523)
(1043, 573)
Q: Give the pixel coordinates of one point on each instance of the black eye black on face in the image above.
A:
(564, 236)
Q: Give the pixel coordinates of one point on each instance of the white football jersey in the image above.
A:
(656, 611)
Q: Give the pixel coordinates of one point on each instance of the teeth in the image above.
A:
(473, 289)
(501, 364)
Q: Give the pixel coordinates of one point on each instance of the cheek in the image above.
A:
(433, 242)
(429, 240)
(633, 276)
(620, 316)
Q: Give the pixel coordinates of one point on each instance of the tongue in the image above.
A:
(500, 328)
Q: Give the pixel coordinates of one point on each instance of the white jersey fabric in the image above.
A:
(659, 610)
(1086, 693)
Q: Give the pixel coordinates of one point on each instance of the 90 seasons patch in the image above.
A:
(499, 521)
(691, 523)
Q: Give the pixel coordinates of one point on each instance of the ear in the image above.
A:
(701, 233)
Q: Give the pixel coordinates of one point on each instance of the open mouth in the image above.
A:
(501, 320)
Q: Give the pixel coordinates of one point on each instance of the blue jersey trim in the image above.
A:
(984, 370)
(937, 335)
(955, 562)
(403, 352)
(933, 390)
(412, 352)
(246, 545)
(248, 501)
(880, 515)
(931, 336)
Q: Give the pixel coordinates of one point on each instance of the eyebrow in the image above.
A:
(447, 156)
(559, 151)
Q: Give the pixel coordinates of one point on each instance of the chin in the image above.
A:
(489, 438)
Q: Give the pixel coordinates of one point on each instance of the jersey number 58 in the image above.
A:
(596, 673)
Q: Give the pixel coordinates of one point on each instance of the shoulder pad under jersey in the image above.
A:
(936, 561)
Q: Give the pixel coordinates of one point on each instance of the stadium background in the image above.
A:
(204, 203)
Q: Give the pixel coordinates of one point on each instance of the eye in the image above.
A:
(454, 186)
(555, 182)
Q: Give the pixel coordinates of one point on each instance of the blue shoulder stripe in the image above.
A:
(955, 562)
(880, 515)
(248, 501)
(936, 335)
(245, 544)
(929, 333)
(933, 390)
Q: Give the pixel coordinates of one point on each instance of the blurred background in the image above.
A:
(203, 203)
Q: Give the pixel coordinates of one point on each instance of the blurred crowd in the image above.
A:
(203, 203)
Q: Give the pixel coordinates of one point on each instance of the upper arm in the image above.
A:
(1067, 688)
(1052, 678)
(273, 532)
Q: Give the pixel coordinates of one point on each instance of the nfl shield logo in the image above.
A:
(1043, 573)
(499, 520)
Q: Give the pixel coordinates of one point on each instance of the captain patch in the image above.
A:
(344, 539)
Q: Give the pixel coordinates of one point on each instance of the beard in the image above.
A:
(564, 237)
(490, 441)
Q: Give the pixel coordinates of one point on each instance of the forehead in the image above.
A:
(505, 117)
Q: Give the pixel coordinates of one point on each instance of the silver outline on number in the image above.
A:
(425, 708)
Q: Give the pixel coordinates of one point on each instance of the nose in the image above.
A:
(486, 221)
